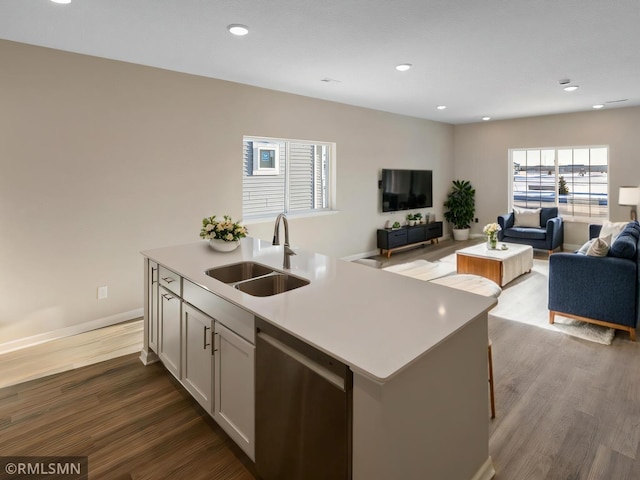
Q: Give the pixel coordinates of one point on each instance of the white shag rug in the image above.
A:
(524, 300)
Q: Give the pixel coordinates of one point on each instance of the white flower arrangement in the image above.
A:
(491, 229)
(226, 229)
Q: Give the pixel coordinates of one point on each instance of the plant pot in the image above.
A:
(223, 246)
(461, 233)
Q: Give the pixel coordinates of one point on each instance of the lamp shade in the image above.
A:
(629, 196)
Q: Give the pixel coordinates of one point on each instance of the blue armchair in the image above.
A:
(549, 235)
(600, 290)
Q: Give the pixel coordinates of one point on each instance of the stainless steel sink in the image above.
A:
(271, 284)
(239, 272)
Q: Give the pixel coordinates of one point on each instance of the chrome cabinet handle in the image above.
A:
(213, 350)
(153, 274)
(205, 344)
(166, 296)
(168, 279)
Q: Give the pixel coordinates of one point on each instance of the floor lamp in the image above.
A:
(630, 197)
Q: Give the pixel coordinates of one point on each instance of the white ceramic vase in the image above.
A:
(223, 246)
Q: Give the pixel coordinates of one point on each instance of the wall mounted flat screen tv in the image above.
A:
(406, 189)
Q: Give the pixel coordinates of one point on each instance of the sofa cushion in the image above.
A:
(526, 232)
(526, 217)
(546, 214)
(624, 246)
(599, 247)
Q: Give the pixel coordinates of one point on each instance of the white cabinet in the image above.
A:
(169, 335)
(207, 343)
(198, 355)
(234, 387)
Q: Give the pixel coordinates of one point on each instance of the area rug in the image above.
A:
(524, 300)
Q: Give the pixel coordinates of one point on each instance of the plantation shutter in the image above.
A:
(262, 194)
(301, 173)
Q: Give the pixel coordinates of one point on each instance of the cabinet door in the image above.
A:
(416, 234)
(169, 339)
(234, 387)
(197, 355)
(152, 308)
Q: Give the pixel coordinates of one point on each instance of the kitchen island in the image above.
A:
(417, 352)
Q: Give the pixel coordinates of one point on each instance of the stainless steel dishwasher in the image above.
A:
(303, 410)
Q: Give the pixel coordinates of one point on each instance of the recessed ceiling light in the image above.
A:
(599, 105)
(403, 67)
(571, 88)
(61, 1)
(238, 29)
(486, 119)
(441, 107)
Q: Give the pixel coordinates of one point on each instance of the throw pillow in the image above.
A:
(585, 247)
(526, 217)
(613, 229)
(599, 247)
(624, 246)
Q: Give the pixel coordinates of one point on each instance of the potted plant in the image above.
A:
(418, 217)
(461, 205)
(395, 226)
(411, 221)
(223, 235)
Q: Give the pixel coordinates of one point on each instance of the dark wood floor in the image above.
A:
(566, 409)
(132, 421)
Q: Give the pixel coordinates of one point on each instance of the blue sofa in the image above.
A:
(549, 236)
(600, 290)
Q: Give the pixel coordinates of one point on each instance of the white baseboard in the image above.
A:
(486, 472)
(358, 256)
(69, 331)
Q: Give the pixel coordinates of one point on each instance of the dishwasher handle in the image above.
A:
(328, 375)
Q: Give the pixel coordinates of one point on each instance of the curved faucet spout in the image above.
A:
(276, 240)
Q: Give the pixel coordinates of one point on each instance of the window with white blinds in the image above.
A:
(298, 183)
(574, 179)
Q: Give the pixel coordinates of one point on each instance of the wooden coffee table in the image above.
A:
(501, 266)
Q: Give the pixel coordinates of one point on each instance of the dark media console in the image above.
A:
(390, 240)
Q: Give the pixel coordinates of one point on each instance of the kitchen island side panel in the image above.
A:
(431, 420)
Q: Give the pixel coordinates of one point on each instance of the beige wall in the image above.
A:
(481, 156)
(102, 159)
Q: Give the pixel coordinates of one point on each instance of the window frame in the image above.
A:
(558, 174)
(330, 181)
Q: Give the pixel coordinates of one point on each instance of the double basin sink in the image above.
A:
(256, 279)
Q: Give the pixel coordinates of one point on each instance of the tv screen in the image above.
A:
(406, 189)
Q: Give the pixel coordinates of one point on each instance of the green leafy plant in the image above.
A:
(396, 225)
(461, 204)
(417, 217)
(410, 217)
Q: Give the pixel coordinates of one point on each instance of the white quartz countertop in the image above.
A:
(376, 322)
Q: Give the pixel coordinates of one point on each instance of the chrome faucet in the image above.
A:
(276, 240)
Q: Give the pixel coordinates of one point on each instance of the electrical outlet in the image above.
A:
(476, 220)
(103, 292)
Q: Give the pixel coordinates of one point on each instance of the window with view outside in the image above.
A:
(300, 184)
(575, 179)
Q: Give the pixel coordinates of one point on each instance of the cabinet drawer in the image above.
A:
(170, 280)
(397, 238)
(434, 230)
(234, 318)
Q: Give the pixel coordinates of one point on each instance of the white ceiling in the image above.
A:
(501, 58)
